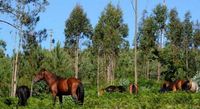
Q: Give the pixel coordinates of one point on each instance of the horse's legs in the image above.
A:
(60, 99)
(75, 97)
(20, 101)
(73, 93)
(54, 100)
(54, 93)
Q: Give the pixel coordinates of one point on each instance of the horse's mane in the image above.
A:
(53, 75)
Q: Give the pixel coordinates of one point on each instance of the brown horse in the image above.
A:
(174, 86)
(62, 86)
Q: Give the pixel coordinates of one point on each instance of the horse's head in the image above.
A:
(192, 86)
(187, 85)
(40, 75)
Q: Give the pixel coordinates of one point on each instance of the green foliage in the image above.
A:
(108, 39)
(124, 64)
(147, 36)
(148, 97)
(76, 26)
(174, 29)
(110, 31)
(58, 61)
(196, 37)
(160, 16)
(5, 72)
(179, 58)
(88, 67)
(2, 48)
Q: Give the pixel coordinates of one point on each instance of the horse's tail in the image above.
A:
(80, 93)
(133, 88)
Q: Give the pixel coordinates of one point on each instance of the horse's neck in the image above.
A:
(50, 78)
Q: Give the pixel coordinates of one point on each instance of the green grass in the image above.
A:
(146, 99)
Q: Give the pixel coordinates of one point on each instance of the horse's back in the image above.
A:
(111, 88)
(73, 81)
(62, 86)
(179, 84)
(23, 91)
(65, 85)
(121, 88)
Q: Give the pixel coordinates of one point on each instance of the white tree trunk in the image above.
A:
(135, 41)
(98, 71)
(76, 57)
(14, 78)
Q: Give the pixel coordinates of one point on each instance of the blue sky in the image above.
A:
(59, 10)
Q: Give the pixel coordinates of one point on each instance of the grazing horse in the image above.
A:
(23, 93)
(174, 86)
(62, 86)
(133, 88)
(112, 88)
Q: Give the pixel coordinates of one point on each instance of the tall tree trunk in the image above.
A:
(76, 57)
(109, 68)
(104, 67)
(113, 69)
(158, 72)
(148, 69)
(135, 41)
(14, 81)
(98, 71)
(186, 58)
(160, 47)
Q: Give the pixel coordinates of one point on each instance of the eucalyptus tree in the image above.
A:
(195, 46)
(175, 38)
(196, 36)
(147, 41)
(109, 34)
(23, 16)
(187, 38)
(77, 26)
(160, 17)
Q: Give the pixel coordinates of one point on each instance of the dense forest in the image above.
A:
(167, 48)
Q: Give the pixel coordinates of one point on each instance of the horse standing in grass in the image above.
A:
(23, 93)
(62, 86)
